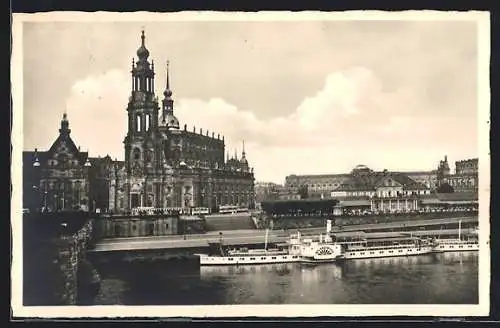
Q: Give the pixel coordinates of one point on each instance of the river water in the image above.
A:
(449, 278)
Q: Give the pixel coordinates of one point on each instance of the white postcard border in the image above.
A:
(482, 309)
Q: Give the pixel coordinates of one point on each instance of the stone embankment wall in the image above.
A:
(57, 272)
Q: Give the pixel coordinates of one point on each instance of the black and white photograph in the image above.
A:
(209, 164)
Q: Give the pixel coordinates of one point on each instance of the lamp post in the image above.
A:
(36, 165)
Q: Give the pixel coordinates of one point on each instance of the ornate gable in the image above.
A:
(64, 153)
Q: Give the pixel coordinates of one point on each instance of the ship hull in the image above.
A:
(206, 260)
(312, 261)
(459, 247)
(381, 253)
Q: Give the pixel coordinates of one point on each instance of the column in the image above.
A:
(398, 204)
(390, 206)
(381, 204)
(406, 204)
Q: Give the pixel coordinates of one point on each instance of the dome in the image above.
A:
(167, 93)
(142, 52)
(170, 121)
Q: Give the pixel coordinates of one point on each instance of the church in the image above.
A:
(165, 165)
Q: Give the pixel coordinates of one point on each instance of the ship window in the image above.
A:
(242, 258)
(252, 258)
(294, 257)
(284, 257)
(400, 250)
(372, 252)
(391, 252)
(262, 258)
(273, 258)
(230, 259)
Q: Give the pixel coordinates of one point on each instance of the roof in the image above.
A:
(317, 176)
(360, 182)
(372, 180)
(82, 156)
(409, 173)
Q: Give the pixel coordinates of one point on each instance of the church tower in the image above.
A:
(142, 153)
(142, 115)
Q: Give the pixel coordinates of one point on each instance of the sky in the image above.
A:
(307, 97)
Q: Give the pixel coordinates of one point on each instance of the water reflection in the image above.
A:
(438, 278)
(390, 261)
(209, 272)
(454, 257)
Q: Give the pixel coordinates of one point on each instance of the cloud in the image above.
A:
(349, 121)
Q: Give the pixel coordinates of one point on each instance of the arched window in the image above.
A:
(148, 118)
(136, 154)
(138, 123)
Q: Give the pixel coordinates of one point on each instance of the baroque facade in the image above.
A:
(465, 178)
(165, 166)
(168, 166)
(318, 185)
(386, 191)
(57, 179)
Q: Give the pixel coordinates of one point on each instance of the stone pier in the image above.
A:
(56, 269)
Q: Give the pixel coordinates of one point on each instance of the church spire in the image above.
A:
(168, 104)
(244, 162)
(168, 74)
(168, 92)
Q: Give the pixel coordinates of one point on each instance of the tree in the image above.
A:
(445, 188)
(303, 192)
